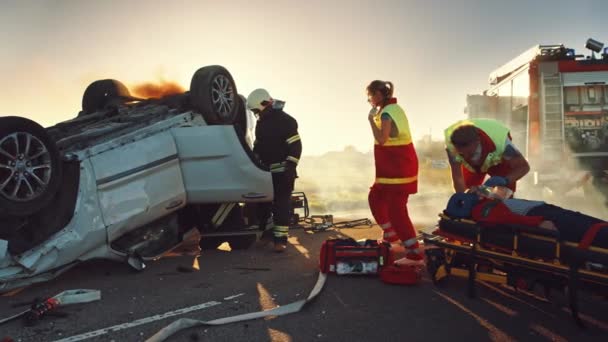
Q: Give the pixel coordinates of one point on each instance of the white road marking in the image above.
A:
(235, 296)
(141, 321)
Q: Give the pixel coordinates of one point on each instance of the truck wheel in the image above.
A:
(213, 93)
(101, 93)
(242, 242)
(210, 243)
(30, 167)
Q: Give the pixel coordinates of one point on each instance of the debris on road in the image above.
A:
(39, 308)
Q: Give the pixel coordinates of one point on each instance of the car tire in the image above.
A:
(30, 167)
(102, 93)
(242, 242)
(213, 94)
(240, 121)
(210, 243)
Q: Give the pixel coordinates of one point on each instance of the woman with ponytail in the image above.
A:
(396, 170)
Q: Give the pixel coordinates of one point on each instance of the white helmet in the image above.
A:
(257, 97)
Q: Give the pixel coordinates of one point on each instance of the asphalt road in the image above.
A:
(348, 309)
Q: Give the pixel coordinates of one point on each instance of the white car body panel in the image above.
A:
(138, 182)
(206, 167)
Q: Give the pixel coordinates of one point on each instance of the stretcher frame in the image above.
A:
(478, 260)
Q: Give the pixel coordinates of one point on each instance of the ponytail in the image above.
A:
(385, 88)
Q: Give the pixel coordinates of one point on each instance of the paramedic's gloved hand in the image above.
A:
(496, 181)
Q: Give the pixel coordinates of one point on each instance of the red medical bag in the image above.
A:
(401, 275)
(347, 256)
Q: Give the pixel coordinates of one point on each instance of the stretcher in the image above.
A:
(519, 256)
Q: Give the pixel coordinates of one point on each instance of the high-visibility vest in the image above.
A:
(495, 130)
(396, 160)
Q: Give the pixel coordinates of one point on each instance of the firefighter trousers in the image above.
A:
(280, 208)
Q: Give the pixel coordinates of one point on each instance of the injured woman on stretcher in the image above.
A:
(490, 207)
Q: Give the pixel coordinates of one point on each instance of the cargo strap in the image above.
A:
(485, 211)
(590, 235)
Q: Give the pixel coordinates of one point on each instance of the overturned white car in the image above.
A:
(127, 179)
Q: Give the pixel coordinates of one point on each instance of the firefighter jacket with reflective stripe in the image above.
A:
(277, 142)
(497, 133)
(396, 160)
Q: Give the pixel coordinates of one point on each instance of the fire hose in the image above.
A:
(186, 323)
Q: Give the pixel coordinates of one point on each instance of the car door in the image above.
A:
(138, 182)
(216, 167)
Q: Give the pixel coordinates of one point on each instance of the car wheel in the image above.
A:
(242, 242)
(100, 94)
(213, 93)
(30, 167)
(210, 243)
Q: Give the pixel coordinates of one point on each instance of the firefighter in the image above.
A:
(480, 147)
(278, 146)
(396, 170)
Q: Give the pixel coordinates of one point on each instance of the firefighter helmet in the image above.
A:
(258, 99)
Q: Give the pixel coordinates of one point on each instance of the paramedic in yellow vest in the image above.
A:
(396, 170)
(480, 147)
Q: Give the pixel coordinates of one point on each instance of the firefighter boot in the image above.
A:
(280, 245)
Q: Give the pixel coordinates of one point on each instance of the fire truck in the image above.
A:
(556, 105)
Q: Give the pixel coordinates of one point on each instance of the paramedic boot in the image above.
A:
(413, 257)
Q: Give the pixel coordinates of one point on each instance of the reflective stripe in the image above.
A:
(222, 218)
(410, 242)
(382, 180)
(293, 159)
(281, 228)
(218, 213)
(277, 167)
(293, 139)
(389, 234)
(281, 231)
(282, 169)
(386, 225)
(396, 142)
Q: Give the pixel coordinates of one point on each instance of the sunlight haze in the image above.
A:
(318, 56)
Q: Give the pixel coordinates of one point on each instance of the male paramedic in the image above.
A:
(480, 147)
(278, 145)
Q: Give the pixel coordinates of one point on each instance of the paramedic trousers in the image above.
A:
(572, 225)
(281, 209)
(389, 208)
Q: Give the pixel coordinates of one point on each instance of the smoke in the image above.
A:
(571, 185)
(156, 90)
